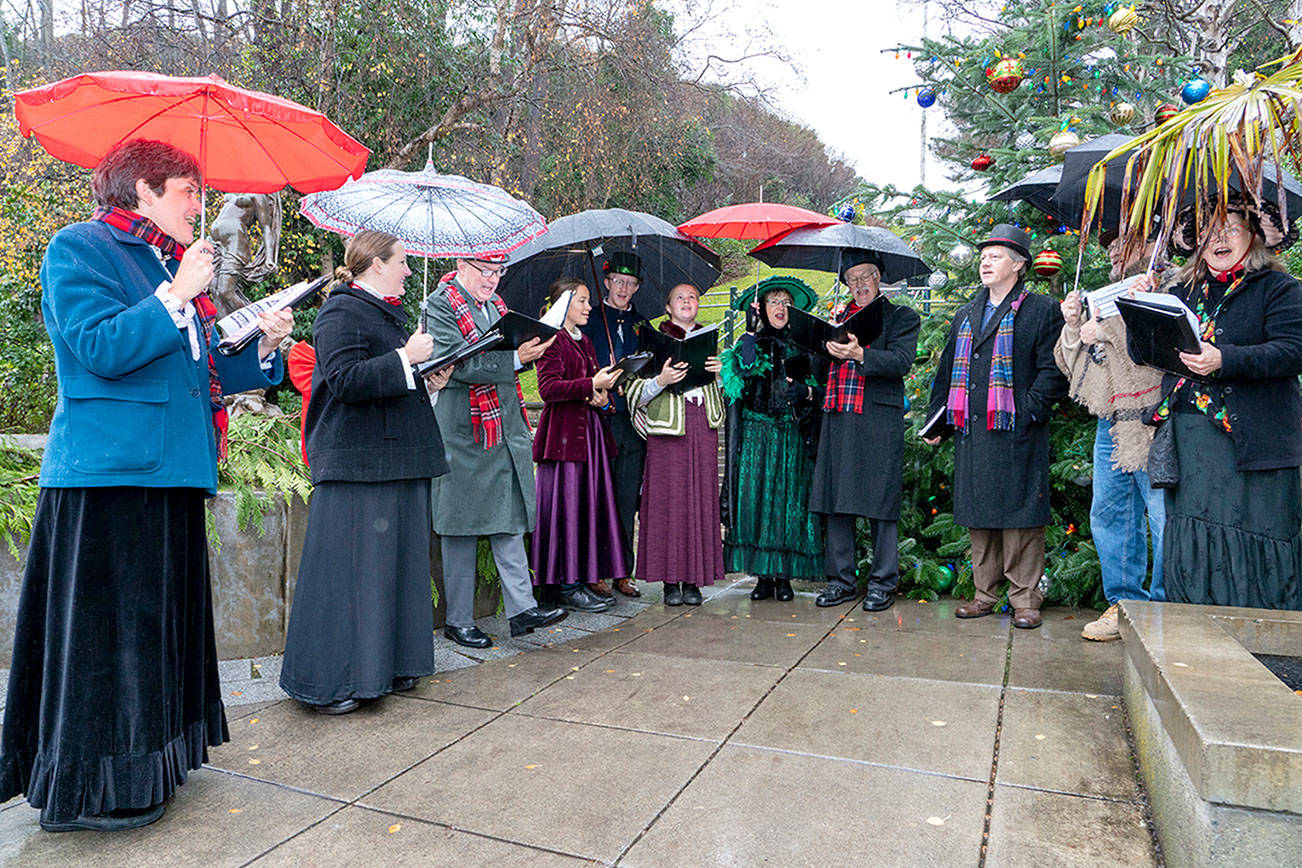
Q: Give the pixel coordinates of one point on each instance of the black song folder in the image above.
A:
(812, 333)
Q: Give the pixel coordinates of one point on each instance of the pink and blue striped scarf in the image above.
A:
(1000, 409)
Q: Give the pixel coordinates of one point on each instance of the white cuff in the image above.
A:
(406, 368)
(182, 313)
(649, 391)
(515, 356)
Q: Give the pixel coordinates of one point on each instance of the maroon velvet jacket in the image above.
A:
(565, 384)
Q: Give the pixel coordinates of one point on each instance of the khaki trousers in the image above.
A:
(1015, 553)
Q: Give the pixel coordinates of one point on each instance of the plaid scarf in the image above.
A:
(485, 410)
(844, 382)
(1209, 402)
(1000, 409)
(142, 227)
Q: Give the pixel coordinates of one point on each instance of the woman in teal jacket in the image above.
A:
(113, 692)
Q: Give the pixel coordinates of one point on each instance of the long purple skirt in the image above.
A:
(680, 538)
(578, 537)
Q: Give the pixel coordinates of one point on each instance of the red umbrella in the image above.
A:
(245, 141)
(757, 220)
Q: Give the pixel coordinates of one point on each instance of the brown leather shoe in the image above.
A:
(974, 609)
(1027, 619)
(627, 588)
(601, 589)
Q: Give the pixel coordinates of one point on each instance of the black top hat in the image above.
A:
(854, 256)
(623, 262)
(1008, 235)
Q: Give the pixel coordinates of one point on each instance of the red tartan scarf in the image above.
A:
(844, 382)
(142, 227)
(485, 410)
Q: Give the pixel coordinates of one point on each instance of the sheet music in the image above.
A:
(1103, 301)
(244, 321)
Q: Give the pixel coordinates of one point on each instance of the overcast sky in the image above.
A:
(844, 92)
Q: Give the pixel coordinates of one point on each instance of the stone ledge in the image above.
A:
(1236, 727)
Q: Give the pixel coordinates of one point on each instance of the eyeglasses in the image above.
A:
(1229, 233)
(777, 302)
(861, 282)
(489, 273)
(624, 282)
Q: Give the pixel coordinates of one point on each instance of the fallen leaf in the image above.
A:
(791, 635)
(1039, 736)
(939, 723)
(574, 669)
(255, 762)
(937, 821)
(1181, 665)
(687, 699)
(394, 828)
(637, 675)
(512, 665)
(255, 720)
(569, 677)
(840, 663)
(532, 766)
(854, 711)
(857, 654)
(253, 747)
(1091, 696)
(237, 693)
(610, 671)
(235, 811)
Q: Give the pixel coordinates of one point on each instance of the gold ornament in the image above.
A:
(1062, 142)
(1122, 113)
(1123, 20)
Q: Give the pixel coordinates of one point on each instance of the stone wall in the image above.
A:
(253, 577)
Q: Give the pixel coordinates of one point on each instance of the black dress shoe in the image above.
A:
(408, 683)
(691, 595)
(113, 821)
(782, 590)
(763, 589)
(531, 619)
(582, 599)
(878, 601)
(835, 594)
(339, 706)
(471, 637)
(673, 594)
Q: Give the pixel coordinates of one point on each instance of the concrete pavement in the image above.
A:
(738, 733)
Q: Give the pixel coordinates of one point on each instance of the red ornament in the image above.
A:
(1165, 112)
(1006, 75)
(1047, 263)
(983, 162)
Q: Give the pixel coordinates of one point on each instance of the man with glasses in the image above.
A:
(613, 330)
(859, 471)
(489, 488)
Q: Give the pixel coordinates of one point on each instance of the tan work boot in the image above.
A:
(1105, 628)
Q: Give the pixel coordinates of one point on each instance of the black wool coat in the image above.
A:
(1259, 334)
(860, 464)
(1001, 478)
(363, 423)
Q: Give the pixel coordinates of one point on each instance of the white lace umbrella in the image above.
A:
(435, 215)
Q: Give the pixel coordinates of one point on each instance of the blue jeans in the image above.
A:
(1117, 520)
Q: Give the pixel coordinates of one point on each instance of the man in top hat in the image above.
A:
(489, 487)
(859, 469)
(1091, 351)
(997, 384)
(613, 329)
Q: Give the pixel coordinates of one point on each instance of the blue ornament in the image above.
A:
(1195, 90)
(926, 97)
(846, 214)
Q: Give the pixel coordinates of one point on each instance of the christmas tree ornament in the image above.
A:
(937, 279)
(846, 214)
(1062, 142)
(961, 253)
(1123, 21)
(1164, 113)
(982, 162)
(945, 580)
(1006, 75)
(1047, 263)
(1025, 140)
(1122, 113)
(1195, 90)
(926, 97)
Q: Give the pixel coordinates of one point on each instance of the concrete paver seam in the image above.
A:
(994, 758)
(1158, 855)
(728, 738)
(286, 840)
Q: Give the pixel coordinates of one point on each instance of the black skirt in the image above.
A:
(363, 613)
(1232, 537)
(113, 694)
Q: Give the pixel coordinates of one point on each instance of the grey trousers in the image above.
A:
(459, 575)
(840, 562)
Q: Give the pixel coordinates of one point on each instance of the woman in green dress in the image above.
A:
(774, 397)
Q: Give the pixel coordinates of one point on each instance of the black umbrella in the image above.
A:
(1036, 189)
(820, 248)
(1069, 198)
(577, 245)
